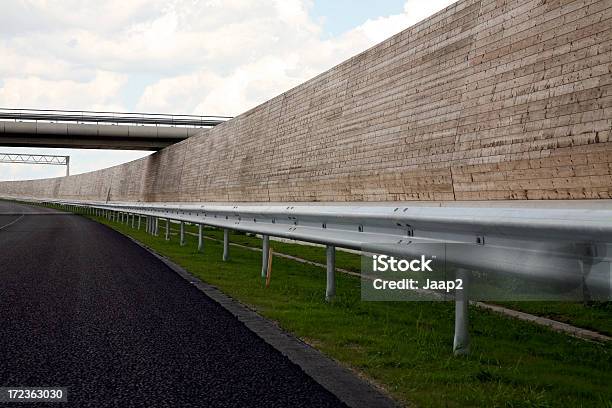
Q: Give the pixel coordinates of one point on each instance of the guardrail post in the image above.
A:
(200, 238)
(133, 219)
(182, 233)
(225, 244)
(167, 229)
(156, 226)
(139, 219)
(461, 342)
(330, 290)
(264, 255)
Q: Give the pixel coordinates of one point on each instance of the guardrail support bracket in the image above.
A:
(225, 244)
(200, 238)
(330, 290)
(461, 342)
(264, 255)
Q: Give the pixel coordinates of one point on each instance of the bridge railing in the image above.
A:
(104, 117)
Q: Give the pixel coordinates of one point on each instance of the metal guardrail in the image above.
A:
(48, 115)
(533, 242)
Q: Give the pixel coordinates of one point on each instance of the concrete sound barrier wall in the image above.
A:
(485, 100)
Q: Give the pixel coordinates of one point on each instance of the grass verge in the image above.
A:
(595, 316)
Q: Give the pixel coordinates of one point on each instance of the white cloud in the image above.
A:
(273, 61)
(98, 93)
(418, 10)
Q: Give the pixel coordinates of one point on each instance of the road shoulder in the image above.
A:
(340, 381)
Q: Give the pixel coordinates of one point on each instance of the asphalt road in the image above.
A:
(83, 307)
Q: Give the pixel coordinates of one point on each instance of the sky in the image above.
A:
(204, 57)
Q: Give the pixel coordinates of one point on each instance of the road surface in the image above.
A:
(83, 307)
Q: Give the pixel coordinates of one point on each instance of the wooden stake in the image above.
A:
(269, 271)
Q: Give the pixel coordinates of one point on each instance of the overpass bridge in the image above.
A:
(98, 130)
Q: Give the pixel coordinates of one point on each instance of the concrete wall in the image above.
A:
(486, 100)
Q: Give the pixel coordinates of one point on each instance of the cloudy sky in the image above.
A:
(209, 57)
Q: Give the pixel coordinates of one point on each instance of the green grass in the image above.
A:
(406, 347)
(595, 316)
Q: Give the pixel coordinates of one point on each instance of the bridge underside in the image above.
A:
(92, 136)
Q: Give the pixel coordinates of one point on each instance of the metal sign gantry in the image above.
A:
(36, 159)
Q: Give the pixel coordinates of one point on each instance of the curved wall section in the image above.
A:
(485, 100)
